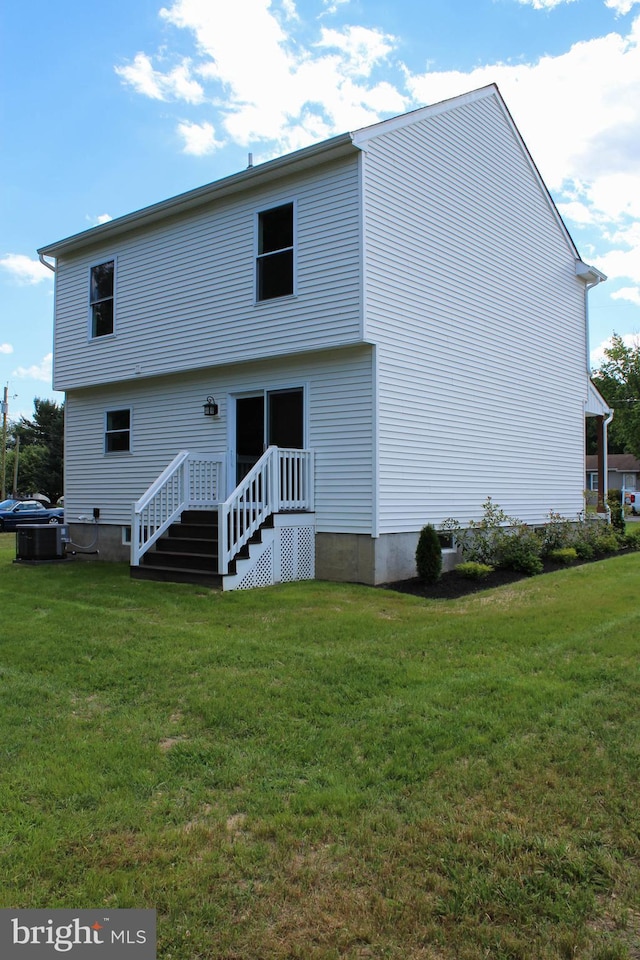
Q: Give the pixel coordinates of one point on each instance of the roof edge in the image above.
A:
(323, 152)
(364, 134)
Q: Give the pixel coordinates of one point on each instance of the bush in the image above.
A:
(590, 537)
(632, 538)
(520, 551)
(471, 570)
(480, 541)
(564, 555)
(606, 544)
(614, 501)
(429, 555)
(556, 533)
(584, 550)
(499, 540)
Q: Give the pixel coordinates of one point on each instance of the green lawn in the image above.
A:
(323, 771)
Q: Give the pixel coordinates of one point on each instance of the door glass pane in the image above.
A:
(286, 422)
(249, 433)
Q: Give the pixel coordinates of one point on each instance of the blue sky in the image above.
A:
(109, 107)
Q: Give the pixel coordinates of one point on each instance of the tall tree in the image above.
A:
(618, 380)
(41, 456)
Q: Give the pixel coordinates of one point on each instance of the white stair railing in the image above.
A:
(281, 480)
(191, 481)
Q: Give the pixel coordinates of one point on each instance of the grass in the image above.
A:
(323, 771)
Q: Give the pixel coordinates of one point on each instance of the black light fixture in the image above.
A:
(210, 408)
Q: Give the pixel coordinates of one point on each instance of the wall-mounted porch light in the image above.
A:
(210, 408)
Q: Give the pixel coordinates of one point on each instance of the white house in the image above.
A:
(397, 315)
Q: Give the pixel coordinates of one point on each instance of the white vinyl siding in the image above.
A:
(186, 286)
(472, 298)
(169, 418)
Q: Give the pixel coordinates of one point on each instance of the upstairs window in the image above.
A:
(117, 436)
(274, 276)
(101, 299)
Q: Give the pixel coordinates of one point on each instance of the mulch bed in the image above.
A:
(451, 585)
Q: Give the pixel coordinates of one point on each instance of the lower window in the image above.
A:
(117, 437)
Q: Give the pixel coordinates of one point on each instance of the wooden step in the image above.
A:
(177, 560)
(177, 575)
(184, 544)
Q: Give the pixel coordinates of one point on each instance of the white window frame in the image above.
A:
(118, 453)
(257, 256)
(98, 263)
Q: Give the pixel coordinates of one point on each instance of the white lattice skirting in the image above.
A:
(287, 552)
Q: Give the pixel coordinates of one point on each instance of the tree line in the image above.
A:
(34, 459)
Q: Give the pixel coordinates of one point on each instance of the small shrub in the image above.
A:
(632, 537)
(481, 540)
(564, 555)
(429, 555)
(584, 550)
(520, 551)
(606, 544)
(586, 537)
(614, 501)
(471, 570)
(556, 533)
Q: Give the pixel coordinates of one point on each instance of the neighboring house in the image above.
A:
(623, 473)
(398, 314)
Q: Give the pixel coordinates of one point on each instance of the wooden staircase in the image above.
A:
(186, 553)
(267, 532)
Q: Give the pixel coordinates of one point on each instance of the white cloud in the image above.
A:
(39, 371)
(175, 85)
(332, 5)
(25, 270)
(6, 348)
(632, 294)
(199, 138)
(361, 48)
(621, 6)
(101, 218)
(544, 4)
(268, 88)
(619, 264)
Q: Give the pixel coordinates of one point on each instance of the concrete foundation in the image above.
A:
(357, 558)
(98, 541)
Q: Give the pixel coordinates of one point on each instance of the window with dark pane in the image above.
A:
(101, 299)
(117, 436)
(275, 253)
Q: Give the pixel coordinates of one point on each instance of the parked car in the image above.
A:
(14, 513)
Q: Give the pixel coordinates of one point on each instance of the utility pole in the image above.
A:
(3, 453)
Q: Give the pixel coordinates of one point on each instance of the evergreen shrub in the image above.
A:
(429, 555)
